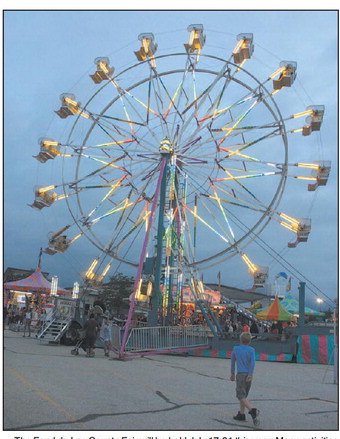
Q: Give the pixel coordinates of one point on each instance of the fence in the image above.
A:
(167, 337)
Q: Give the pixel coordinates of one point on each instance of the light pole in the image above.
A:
(320, 301)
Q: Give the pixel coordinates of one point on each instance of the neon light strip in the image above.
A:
(263, 174)
(223, 212)
(206, 224)
(119, 89)
(238, 121)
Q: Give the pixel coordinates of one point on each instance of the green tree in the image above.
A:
(113, 292)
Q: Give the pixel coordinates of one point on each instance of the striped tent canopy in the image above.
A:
(36, 282)
(292, 305)
(275, 311)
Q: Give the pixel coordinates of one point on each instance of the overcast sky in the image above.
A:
(51, 52)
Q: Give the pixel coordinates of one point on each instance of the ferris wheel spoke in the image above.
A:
(199, 101)
(155, 91)
(142, 121)
(111, 245)
(177, 96)
(224, 72)
(123, 92)
(121, 131)
(106, 197)
(228, 233)
(232, 194)
(239, 120)
(207, 127)
(228, 238)
(253, 175)
(118, 246)
(213, 114)
(106, 166)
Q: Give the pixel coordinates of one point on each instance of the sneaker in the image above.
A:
(240, 417)
(254, 413)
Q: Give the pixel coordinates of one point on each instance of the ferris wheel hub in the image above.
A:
(166, 147)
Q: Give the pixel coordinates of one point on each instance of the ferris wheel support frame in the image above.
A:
(156, 298)
(141, 260)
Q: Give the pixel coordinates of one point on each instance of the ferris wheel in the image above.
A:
(193, 136)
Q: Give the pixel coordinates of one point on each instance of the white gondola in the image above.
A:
(43, 198)
(302, 232)
(321, 174)
(148, 46)
(103, 72)
(287, 76)
(197, 38)
(57, 244)
(314, 121)
(244, 49)
(69, 105)
(260, 276)
(49, 149)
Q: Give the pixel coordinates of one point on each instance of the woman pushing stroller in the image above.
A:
(91, 329)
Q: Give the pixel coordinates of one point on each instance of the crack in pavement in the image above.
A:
(187, 370)
(226, 379)
(322, 412)
(93, 416)
(159, 393)
(175, 406)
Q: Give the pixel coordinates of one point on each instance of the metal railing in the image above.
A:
(56, 325)
(167, 337)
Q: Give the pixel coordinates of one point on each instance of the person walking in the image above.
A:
(107, 337)
(254, 329)
(28, 321)
(243, 356)
(42, 320)
(91, 328)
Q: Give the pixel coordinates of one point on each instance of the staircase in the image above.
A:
(54, 329)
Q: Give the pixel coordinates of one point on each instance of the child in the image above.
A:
(244, 356)
(107, 337)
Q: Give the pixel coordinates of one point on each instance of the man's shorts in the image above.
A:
(242, 386)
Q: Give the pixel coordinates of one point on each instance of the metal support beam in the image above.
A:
(302, 304)
(156, 298)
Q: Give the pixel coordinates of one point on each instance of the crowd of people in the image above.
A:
(24, 319)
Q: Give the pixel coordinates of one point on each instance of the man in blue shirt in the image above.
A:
(244, 356)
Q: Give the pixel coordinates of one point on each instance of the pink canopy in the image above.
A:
(36, 282)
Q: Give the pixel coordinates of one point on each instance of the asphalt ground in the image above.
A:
(46, 388)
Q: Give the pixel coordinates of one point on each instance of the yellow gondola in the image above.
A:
(244, 48)
(103, 72)
(197, 38)
(49, 149)
(287, 75)
(314, 121)
(69, 105)
(148, 46)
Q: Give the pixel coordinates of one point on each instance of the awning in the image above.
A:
(36, 282)
(276, 312)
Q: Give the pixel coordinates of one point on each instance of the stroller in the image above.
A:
(81, 344)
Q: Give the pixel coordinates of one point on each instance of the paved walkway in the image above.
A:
(47, 388)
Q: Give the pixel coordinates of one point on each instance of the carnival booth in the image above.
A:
(32, 290)
(189, 306)
(275, 312)
(292, 305)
